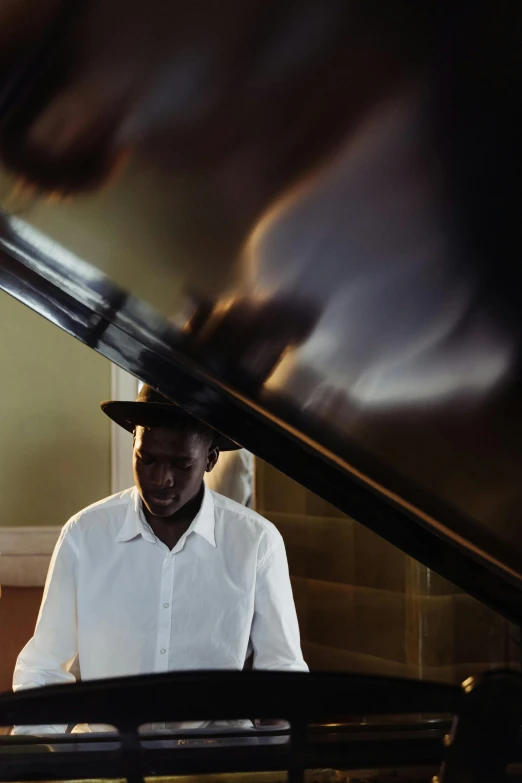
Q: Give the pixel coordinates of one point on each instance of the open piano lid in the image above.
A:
(337, 290)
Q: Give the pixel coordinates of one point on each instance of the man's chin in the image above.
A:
(163, 511)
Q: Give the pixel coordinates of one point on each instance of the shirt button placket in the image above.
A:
(165, 616)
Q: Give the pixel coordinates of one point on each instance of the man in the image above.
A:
(165, 576)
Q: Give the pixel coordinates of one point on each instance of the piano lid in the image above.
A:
(313, 247)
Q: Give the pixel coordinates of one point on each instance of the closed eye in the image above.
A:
(145, 459)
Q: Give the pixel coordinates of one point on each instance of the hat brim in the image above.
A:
(153, 414)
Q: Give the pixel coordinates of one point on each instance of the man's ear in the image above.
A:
(213, 455)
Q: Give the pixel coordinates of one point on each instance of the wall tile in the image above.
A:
(377, 563)
(330, 550)
(480, 633)
(429, 629)
(277, 492)
(317, 507)
(323, 658)
(293, 528)
(365, 621)
(379, 618)
(331, 619)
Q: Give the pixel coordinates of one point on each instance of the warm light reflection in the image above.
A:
(368, 242)
(59, 255)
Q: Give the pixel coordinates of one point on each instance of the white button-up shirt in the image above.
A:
(125, 604)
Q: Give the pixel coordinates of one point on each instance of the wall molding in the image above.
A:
(25, 553)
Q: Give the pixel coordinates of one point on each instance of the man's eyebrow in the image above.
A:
(177, 458)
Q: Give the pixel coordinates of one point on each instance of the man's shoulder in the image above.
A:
(232, 514)
(112, 507)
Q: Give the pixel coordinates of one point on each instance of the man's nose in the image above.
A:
(162, 476)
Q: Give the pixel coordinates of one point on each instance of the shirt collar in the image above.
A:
(135, 523)
(204, 522)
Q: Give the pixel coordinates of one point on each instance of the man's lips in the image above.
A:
(162, 500)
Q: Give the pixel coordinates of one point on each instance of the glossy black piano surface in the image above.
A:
(314, 247)
(339, 289)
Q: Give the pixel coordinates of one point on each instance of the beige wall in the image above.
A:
(55, 449)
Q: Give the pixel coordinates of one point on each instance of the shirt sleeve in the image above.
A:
(275, 630)
(48, 656)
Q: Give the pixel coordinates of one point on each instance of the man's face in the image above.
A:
(169, 466)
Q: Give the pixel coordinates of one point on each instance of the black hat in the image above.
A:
(152, 409)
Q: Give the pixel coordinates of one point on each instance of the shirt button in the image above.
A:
(163, 651)
(165, 606)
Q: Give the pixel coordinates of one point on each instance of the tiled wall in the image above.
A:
(365, 606)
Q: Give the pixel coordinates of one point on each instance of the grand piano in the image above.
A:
(300, 221)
